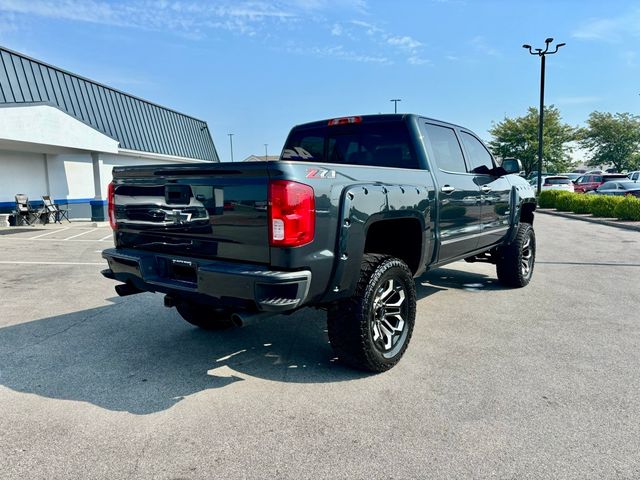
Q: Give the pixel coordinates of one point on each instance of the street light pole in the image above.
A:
(395, 104)
(266, 155)
(231, 143)
(542, 54)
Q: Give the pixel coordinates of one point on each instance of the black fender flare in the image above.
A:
(361, 206)
(518, 197)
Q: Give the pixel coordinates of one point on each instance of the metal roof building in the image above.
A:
(74, 127)
(137, 124)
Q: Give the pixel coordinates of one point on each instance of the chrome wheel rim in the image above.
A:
(526, 257)
(388, 316)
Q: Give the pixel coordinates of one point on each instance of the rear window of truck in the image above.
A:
(377, 144)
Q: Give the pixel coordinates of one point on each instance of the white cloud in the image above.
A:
(362, 41)
(481, 45)
(414, 60)
(612, 30)
(339, 52)
(404, 42)
(409, 47)
(369, 28)
(188, 17)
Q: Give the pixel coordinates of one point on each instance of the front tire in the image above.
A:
(204, 316)
(516, 260)
(371, 330)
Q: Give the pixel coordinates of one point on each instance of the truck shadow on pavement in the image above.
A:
(446, 278)
(134, 355)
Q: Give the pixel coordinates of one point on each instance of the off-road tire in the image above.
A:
(516, 260)
(353, 323)
(203, 316)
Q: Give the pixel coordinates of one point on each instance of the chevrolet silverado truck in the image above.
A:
(354, 209)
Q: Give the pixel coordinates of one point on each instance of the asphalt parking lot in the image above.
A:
(541, 382)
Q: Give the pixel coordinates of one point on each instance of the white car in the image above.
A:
(635, 176)
(554, 182)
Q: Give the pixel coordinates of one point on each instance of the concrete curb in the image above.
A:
(610, 223)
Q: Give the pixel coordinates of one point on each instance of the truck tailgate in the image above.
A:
(215, 211)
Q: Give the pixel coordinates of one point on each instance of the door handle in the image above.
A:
(485, 188)
(447, 189)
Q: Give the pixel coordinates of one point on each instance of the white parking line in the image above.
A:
(49, 233)
(107, 237)
(46, 240)
(80, 234)
(9, 262)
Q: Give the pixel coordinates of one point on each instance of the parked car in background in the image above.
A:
(635, 176)
(572, 176)
(554, 182)
(619, 187)
(589, 182)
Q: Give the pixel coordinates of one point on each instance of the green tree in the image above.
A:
(612, 139)
(518, 138)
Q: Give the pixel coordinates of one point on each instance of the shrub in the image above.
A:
(564, 203)
(605, 205)
(548, 198)
(581, 203)
(628, 208)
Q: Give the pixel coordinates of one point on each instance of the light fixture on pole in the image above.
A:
(395, 104)
(542, 53)
(231, 144)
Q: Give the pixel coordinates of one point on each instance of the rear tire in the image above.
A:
(204, 316)
(371, 330)
(516, 260)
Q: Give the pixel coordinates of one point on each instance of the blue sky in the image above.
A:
(256, 68)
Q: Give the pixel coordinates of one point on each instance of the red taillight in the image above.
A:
(111, 209)
(344, 121)
(292, 214)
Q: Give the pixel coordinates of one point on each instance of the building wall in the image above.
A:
(70, 179)
(21, 173)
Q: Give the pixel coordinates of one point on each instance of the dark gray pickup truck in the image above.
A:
(353, 210)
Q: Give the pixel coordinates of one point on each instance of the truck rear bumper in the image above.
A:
(271, 291)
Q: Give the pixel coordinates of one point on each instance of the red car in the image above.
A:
(590, 181)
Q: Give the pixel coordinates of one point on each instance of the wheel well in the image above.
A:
(400, 238)
(526, 213)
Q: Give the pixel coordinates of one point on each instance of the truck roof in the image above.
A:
(384, 117)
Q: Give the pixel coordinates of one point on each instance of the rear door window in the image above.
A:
(379, 144)
(446, 148)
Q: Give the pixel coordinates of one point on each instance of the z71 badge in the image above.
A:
(320, 173)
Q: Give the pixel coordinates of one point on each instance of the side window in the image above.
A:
(478, 155)
(597, 178)
(446, 148)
